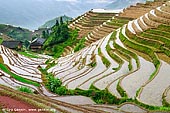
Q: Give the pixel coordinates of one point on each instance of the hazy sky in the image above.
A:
(87, 1)
(33, 13)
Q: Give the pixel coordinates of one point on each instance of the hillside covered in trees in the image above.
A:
(60, 37)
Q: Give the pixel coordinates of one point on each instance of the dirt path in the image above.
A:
(12, 105)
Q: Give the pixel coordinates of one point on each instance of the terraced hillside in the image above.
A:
(140, 9)
(105, 29)
(131, 63)
(19, 71)
(107, 21)
(87, 22)
(37, 103)
(125, 66)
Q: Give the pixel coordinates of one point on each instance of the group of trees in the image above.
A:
(59, 33)
(60, 37)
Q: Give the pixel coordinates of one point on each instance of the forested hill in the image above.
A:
(52, 22)
(60, 37)
(16, 33)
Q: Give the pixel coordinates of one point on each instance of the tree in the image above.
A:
(57, 23)
(44, 34)
(33, 38)
(26, 43)
(61, 20)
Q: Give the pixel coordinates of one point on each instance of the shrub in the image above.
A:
(53, 83)
(60, 37)
(62, 90)
(105, 97)
(25, 89)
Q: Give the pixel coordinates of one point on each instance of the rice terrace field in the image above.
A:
(121, 64)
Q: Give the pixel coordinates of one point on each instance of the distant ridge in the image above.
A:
(16, 33)
(52, 22)
(120, 4)
(33, 13)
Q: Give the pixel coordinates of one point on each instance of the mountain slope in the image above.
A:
(120, 4)
(16, 33)
(127, 69)
(131, 63)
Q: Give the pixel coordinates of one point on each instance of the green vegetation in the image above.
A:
(93, 64)
(141, 48)
(121, 91)
(60, 38)
(80, 45)
(53, 83)
(113, 36)
(118, 22)
(124, 52)
(104, 97)
(165, 40)
(16, 33)
(60, 33)
(155, 39)
(25, 89)
(115, 24)
(1, 40)
(99, 96)
(133, 55)
(105, 60)
(52, 22)
(113, 56)
(164, 102)
(26, 44)
(150, 107)
(19, 78)
(163, 27)
(130, 67)
(127, 57)
(148, 42)
(28, 54)
(138, 92)
(158, 32)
